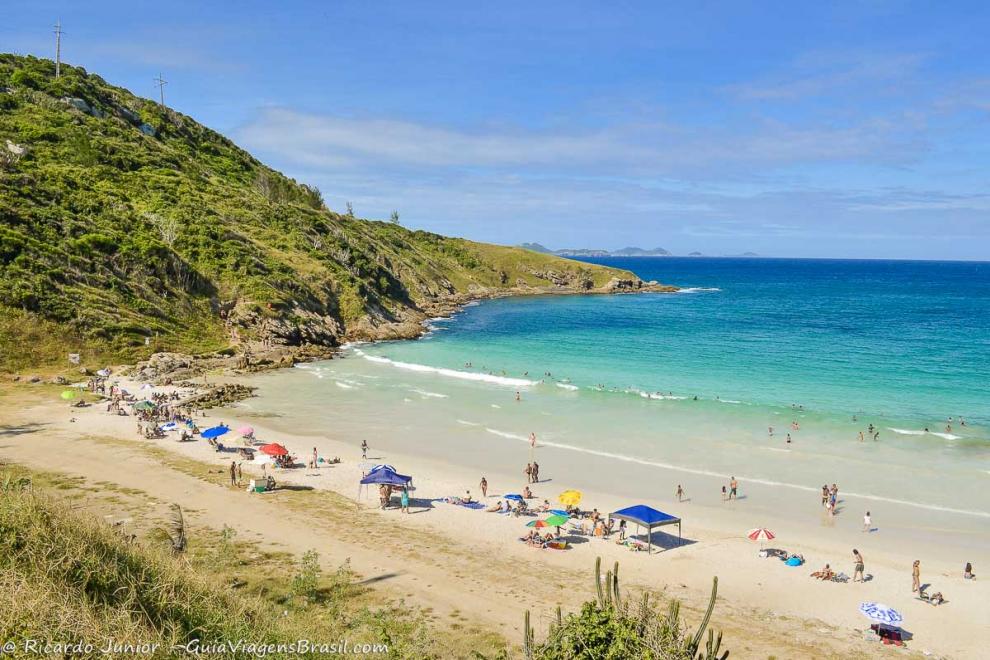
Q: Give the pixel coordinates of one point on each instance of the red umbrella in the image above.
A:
(760, 534)
(275, 449)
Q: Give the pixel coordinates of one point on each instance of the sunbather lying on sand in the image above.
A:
(495, 507)
(825, 574)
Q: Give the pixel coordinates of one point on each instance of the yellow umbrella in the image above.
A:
(569, 497)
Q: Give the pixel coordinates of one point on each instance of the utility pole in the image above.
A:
(58, 48)
(161, 88)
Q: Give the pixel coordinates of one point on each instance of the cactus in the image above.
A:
(527, 637)
(615, 585)
(560, 618)
(598, 581)
(695, 643)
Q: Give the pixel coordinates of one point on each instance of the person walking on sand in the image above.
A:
(680, 493)
(733, 489)
(518, 397)
(916, 575)
(233, 473)
(858, 568)
(867, 522)
(404, 500)
(484, 487)
(239, 472)
(364, 449)
(316, 459)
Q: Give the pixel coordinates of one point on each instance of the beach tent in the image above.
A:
(649, 518)
(386, 475)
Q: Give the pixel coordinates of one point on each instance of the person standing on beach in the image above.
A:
(364, 449)
(315, 459)
(916, 575)
(518, 397)
(733, 489)
(723, 494)
(233, 473)
(867, 522)
(860, 436)
(858, 568)
(536, 472)
(680, 493)
(404, 500)
(484, 487)
(529, 473)
(239, 472)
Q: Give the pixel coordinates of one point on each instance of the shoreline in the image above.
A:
(715, 543)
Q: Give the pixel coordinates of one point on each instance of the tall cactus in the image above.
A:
(615, 586)
(695, 643)
(528, 636)
(598, 581)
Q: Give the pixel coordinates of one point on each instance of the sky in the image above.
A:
(811, 129)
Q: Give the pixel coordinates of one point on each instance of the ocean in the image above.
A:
(696, 386)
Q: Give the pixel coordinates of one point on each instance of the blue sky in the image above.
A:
(825, 129)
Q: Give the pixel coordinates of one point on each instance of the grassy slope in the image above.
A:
(68, 577)
(112, 235)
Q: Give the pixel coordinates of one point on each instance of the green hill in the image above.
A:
(126, 227)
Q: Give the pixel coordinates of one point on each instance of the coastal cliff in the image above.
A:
(127, 228)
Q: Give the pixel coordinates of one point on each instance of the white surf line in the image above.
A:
(710, 473)
(432, 395)
(450, 373)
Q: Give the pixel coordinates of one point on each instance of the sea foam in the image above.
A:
(449, 373)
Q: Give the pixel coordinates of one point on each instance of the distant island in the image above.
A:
(624, 252)
(586, 252)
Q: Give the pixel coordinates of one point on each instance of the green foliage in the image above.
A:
(306, 582)
(609, 629)
(121, 237)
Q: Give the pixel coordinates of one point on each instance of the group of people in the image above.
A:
(385, 497)
(830, 497)
(532, 473)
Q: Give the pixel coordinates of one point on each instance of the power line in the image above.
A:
(58, 48)
(161, 82)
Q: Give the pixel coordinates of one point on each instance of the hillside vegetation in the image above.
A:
(126, 227)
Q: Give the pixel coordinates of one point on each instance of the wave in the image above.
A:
(729, 401)
(467, 423)
(567, 386)
(719, 475)
(905, 431)
(432, 395)
(495, 405)
(343, 385)
(698, 289)
(656, 395)
(450, 373)
(946, 436)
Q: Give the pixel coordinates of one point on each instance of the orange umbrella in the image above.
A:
(274, 449)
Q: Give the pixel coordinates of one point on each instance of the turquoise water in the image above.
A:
(683, 388)
(904, 341)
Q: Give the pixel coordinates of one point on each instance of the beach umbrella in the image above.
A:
(560, 512)
(880, 613)
(68, 395)
(514, 496)
(760, 534)
(274, 449)
(570, 497)
(246, 431)
(168, 426)
(214, 432)
(539, 524)
(557, 521)
(144, 405)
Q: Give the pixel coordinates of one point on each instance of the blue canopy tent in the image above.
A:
(649, 518)
(386, 475)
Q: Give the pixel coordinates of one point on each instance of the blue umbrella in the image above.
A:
(215, 432)
(881, 613)
(518, 498)
(559, 512)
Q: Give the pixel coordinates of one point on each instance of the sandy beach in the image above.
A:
(472, 561)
